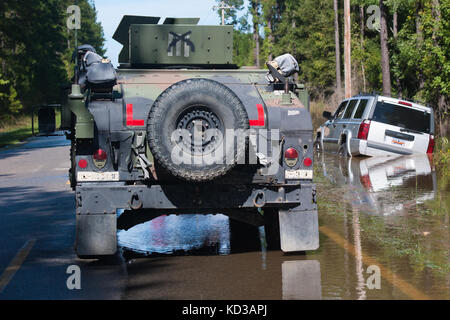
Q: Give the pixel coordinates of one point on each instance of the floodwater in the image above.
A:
(384, 234)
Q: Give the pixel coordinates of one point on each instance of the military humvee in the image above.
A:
(179, 129)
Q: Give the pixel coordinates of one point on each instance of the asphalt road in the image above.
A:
(37, 209)
(173, 257)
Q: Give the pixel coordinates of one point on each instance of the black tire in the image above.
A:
(342, 151)
(244, 237)
(72, 170)
(179, 110)
(343, 158)
(272, 229)
(317, 146)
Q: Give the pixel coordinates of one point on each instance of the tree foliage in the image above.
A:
(418, 46)
(35, 50)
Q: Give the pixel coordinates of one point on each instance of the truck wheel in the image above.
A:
(317, 146)
(187, 125)
(343, 151)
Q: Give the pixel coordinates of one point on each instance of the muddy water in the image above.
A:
(387, 217)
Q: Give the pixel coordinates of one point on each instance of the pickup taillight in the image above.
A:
(363, 131)
(430, 148)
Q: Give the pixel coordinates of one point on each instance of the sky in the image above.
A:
(110, 12)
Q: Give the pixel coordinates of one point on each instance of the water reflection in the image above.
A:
(376, 184)
(231, 250)
(179, 234)
(387, 211)
(301, 280)
(370, 192)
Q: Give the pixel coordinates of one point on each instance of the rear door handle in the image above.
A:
(334, 126)
(345, 126)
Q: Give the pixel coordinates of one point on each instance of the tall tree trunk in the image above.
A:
(395, 24)
(395, 32)
(436, 12)
(361, 28)
(347, 50)
(270, 38)
(338, 48)
(385, 68)
(255, 14)
(442, 102)
(419, 34)
(256, 39)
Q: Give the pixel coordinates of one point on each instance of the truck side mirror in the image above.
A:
(327, 115)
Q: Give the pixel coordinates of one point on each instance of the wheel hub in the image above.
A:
(198, 130)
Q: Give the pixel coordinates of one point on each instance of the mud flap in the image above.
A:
(299, 230)
(96, 235)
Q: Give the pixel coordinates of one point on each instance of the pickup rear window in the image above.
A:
(402, 117)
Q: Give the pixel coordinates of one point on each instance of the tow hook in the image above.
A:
(135, 202)
(260, 199)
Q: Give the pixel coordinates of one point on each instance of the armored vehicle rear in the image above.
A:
(179, 129)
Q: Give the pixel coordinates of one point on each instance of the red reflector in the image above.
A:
(100, 155)
(431, 144)
(405, 103)
(82, 163)
(307, 162)
(291, 153)
(365, 180)
(363, 131)
(130, 120)
(260, 121)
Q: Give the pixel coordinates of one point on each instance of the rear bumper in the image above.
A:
(99, 198)
(368, 148)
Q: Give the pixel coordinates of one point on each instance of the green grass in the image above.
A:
(442, 151)
(16, 131)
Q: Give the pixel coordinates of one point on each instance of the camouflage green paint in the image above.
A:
(84, 127)
(157, 44)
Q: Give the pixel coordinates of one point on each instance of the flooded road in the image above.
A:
(377, 216)
(384, 234)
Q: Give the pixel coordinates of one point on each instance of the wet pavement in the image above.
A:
(377, 216)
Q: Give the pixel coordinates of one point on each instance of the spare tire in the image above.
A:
(189, 125)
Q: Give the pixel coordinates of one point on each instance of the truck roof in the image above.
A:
(398, 100)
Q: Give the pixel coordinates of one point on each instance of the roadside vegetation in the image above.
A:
(35, 48)
(442, 152)
(415, 63)
(35, 53)
(20, 129)
(15, 132)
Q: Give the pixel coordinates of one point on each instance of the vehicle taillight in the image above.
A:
(431, 144)
(405, 103)
(363, 131)
(291, 156)
(307, 162)
(82, 163)
(100, 155)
